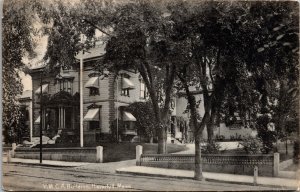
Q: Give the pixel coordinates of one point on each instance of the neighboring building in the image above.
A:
(236, 131)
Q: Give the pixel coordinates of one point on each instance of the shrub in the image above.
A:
(251, 145)
(220, 137)
(211, 148)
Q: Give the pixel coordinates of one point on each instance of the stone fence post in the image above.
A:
(276, 164)
(99, 154)
(138, 153)
(9, 156)
(14, 147)
(255, 175)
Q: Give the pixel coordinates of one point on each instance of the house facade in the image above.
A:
(104, 99)
(56, 105)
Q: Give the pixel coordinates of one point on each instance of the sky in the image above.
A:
(40, 51)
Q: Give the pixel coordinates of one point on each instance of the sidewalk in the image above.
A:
(270, 181)
(46, 162)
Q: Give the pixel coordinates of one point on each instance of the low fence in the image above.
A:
(87, 154)
(268, 165)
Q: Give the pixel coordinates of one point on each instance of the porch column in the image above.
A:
(59, 121)
(64, 115)
(61, 118)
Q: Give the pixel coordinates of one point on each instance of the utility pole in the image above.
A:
(117, 111)
(41, 118)
(81, 94)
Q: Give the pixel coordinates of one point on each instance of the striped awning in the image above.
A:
(93, 82)
(127, 84)
(92, 115)
(128, 117)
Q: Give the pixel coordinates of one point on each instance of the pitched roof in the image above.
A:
(93, 52)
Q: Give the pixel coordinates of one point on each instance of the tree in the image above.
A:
(145, 119)
(18, 41)
(129, 29)
(137, 28)
(22, 129)
(216, 46)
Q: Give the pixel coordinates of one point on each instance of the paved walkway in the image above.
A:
(270, 181)
(107, 167)
(130, 168)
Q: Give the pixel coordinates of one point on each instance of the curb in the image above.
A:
(38, 164)
(205, 179)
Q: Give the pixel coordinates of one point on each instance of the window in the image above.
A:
(94, 91)
(143, 90)
(129, 125)
(125, 92)
(64, 85)
(93, 85)
(93, 117)
(94, 125)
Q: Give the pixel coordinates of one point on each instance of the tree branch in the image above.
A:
(210, 74)
(169, 85)
(95, 26)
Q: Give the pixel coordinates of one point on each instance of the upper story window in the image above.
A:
(127, 84)
(64, 85)
(94, 91)
(125, 92)
(93, 85)
(143, 90)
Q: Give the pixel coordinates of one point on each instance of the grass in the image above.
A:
(292, 167)
(282, 151)
(125, 151)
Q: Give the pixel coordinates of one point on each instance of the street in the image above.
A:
(44, 178)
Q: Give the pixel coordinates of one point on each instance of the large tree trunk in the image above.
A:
(162, 134)
(198, 161)
(210, 132)
(198, 128)
(162, 142)
(160, 117)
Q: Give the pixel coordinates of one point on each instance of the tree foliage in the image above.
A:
(145, 119)
(18, 32)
